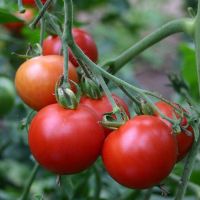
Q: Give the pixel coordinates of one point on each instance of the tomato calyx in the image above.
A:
(146, 108)
(90, 88)
(65, 96)
(109, 119)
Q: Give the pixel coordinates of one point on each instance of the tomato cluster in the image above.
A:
(139, 154)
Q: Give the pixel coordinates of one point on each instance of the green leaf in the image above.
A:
(189, 68)
(6, 17)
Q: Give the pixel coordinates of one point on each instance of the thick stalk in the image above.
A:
(77, 52)
(30, 180)
(42, 32)
(197, 44)
(191, 186)
(41, 13)
(71, 42)
(176, 26)
(64, 43)
(81, 56)
(47, 17)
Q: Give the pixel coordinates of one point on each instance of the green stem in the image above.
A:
(64, 42)
(77, 52)
(186, 24)
(98, 185)
(109, 95)
(42, 31)
(40, 14)
(197, 44)
(21, 7)
(48, 19)
(191, 186)
(147, 194)
(176, 26)
(71, 42)
(30, 180)
(189, 165)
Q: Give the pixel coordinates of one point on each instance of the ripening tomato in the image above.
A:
(31, 2)
(52, 45)
(7, 95)
(184, 140)
(17, 26)
(141, 153)
(65, 141)
(101, 106)
(36, 78)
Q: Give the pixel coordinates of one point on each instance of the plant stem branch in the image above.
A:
(42, 31)
(187, 170)
(64, 41)
(77, 52)
(176, 26)
(40, 14)
(197, 44)
(27, 187)
(191, 186)
(48, 18)
(71, 42)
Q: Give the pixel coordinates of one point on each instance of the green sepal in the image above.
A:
(65, 96)
(146, 108)
(90, 88)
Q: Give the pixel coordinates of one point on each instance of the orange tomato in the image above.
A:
(36, 78)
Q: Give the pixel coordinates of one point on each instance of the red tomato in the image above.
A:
(36, 78)
(52, 45)
(141, 153)
(101, 106)
(31, 2)
(65, 141)
(184, 141)
(17, 26)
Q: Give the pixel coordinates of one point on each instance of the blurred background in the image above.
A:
(115, 26)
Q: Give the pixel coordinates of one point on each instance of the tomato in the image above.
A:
(101, 106)
(17, 26)
(36, 78)
(52, 45)
(141, 153)
(31, 2)
(65, 141)
(184, 141)
(7, 95)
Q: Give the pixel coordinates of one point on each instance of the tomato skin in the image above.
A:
(65, 141)
(17, 26)
(184, 141)
(141, 153)
(52, 45)
(36, 78)
(7, 95)
(31, 2)
(101, 106)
